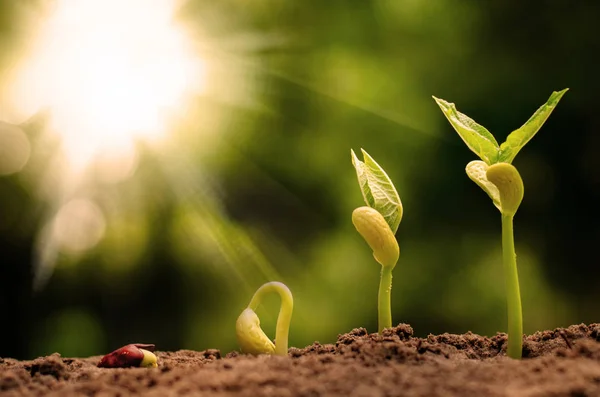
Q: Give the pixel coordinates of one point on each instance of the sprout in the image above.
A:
(132, 355)
(251, 337)
(495, 174)
(377, 224)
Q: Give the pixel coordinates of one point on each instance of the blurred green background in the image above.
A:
(250, 179)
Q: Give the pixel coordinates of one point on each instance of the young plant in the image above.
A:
(495, 174)
(377, 223)
(251, 337)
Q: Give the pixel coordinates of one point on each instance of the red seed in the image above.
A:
(126, 356)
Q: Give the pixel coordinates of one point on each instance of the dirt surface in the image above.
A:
(562, 362)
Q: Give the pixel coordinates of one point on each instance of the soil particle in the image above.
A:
(51, 365)
(560, 362)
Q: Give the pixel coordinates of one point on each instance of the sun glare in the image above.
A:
(110, 72)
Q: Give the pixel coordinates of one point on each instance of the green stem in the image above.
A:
(513, 294)
(285, 312)
(385, 296)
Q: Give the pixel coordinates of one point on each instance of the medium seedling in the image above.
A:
(251, 337)
(377, 223)
(495, 174)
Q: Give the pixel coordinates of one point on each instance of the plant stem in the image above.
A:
(285, 312)
(513, 294)
(385, 295)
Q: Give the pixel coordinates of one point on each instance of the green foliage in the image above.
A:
(378, 190)
(483, 143)
(477, 137)
(518, 138)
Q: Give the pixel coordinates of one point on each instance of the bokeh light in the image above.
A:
(14, 149)
(78, 226)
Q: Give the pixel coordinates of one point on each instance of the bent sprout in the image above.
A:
(251, 337)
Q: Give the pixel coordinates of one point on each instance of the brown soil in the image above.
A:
(563, 362)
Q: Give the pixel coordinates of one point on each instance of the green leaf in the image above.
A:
(477, 172)
(518, 138)
(363, 181)
(476, 136)
(378, 190)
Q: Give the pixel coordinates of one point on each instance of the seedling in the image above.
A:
(251, 337)
(133, 355)
(495, 174)
(377, 223)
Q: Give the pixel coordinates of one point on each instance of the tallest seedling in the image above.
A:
(495, 174)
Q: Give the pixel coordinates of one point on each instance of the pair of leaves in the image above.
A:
(378, 190)
(483, 143)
